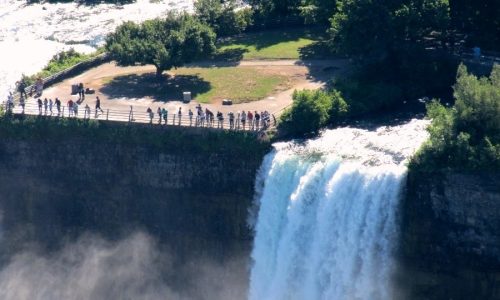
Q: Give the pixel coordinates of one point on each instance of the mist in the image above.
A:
(136, 267)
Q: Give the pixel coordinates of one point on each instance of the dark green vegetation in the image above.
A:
(165, 43)
(312, 110)
(60, 62)
(467, 135)
(173, 140)
(222, 16)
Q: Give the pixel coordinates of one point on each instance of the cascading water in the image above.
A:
(31, 34)
(328, 208)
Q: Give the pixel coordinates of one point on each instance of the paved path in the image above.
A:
(307, 75)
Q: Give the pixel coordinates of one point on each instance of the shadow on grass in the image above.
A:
(316, 50)
(167, 88)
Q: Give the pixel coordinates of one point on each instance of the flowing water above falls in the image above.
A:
(328, 208)
(31, 34)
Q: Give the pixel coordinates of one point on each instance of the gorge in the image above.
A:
(140, 221)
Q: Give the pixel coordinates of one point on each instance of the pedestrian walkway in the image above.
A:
(133, 116)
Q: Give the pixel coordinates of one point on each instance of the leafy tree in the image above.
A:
(310, 111)
(223, 16)
(165, 43)
(379, 29)
(466, 136)
(317, 11)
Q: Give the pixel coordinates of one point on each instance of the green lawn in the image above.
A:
(274, 44)
(238, 84)
(241, 84)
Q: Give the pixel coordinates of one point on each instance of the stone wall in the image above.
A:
(451, 236)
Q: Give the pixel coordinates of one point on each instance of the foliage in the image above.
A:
(317, 11)
(59, 62)
(223, 16)
(310, 111)
(466, 136)
(380, 29)
(165, 43)
(276, 13)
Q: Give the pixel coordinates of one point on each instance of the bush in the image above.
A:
(466, 136)
(59, 62)
(223, 16)
(310, 111)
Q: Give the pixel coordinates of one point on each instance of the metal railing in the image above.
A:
(133, 116)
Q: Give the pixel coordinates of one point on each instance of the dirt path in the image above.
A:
(304, 75)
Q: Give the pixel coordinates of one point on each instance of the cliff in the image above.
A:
(58, 181)
(450, 245)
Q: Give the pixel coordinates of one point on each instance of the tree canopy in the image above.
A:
(165, 43)
(223, 16)
(466, 136)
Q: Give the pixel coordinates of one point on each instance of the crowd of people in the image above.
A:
(206, 118)
(199, 118)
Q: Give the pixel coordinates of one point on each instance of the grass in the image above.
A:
(239, 84)
(294, 43)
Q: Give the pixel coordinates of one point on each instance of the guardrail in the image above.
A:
(133, 116)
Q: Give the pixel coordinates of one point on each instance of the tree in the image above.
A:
(312, 110)
(224, 16)
(317, 11)
(378, 29)
(165, 43)
(466, 136)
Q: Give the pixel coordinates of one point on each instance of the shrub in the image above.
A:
(310, 111)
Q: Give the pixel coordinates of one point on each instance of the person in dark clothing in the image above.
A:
(98, 106)
(39, 101)
(58, 106)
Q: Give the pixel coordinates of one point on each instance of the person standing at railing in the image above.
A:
(70, 107)
(50, 106)
(87, 112)
(58, 106)
(190, 113)
(98, 106)
(151, 115)
(257, 120)
(158, 111)
(220, 120)
(75, 108)
(45, 105)
(164, 113)
(39, 101)
(243, 119)
(131, 114)
(231, 120)
(179, 114)
(250, 120)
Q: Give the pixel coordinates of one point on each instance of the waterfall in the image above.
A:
(326, 226)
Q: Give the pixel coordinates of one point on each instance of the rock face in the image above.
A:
(451, 236)
(55, 189)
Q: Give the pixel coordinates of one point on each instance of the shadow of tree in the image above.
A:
(167, 88)
(316, 50)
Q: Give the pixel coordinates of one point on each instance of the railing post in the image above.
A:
(107, 114)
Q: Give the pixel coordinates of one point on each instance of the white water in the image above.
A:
(327, 221)
(31, 34)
